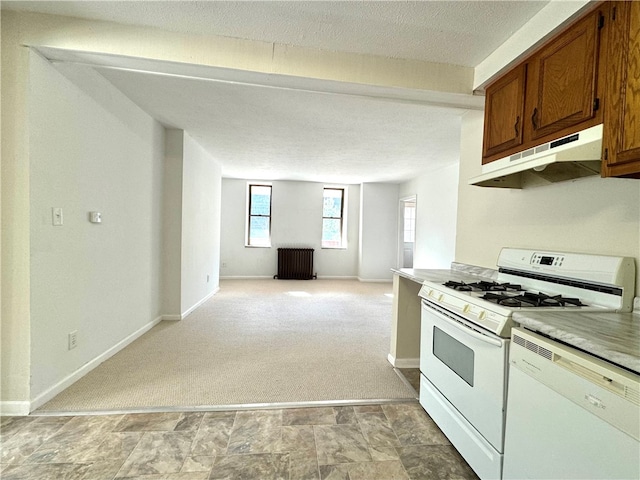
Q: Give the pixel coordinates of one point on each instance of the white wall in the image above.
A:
(378, 231)
(296, 222)
(14, 169)
(591, 215)
(172, 224)
(201, 202)
(436, 212)
(91, 149)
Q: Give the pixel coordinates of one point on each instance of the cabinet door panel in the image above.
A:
(504, 109)
(565, 79)
(622, 119)
(630, 131)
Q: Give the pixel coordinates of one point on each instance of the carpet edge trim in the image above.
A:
(216, 408)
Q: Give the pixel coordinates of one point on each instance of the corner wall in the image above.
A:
(378, 231)
(200, 245)
(90, 149)
(15, 313)
(172, 224)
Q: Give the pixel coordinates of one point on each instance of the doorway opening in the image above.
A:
(407, 231)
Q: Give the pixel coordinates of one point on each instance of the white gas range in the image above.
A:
(465, 331)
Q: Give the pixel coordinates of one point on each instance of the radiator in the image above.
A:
(295, 263)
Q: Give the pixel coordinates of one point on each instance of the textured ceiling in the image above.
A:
(454, 32)
(299, 135)
(260, 132)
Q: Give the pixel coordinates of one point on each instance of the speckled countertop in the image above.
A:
(614, 337)
(458, 272)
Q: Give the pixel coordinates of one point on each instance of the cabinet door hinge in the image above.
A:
(600, 21)
(596, 104)
(606, 154)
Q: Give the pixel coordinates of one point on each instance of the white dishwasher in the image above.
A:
(569, 415)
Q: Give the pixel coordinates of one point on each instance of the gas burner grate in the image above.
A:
(483, 286)
(494, 286)
(460, 286)
(530, 299)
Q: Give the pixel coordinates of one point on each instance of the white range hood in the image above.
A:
(574, 156)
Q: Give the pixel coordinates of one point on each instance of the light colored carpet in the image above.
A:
(255, 341)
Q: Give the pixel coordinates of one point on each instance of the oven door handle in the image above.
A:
(466, 329)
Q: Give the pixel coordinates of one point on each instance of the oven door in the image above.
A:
(468, 367)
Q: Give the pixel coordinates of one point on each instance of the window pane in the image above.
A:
(409, 222)
(259, 231)
(332, 206)
(331, 235)
(260, 200)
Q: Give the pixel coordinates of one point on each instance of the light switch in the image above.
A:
(95, 217)
(56, 216)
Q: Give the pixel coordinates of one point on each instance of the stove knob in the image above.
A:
(466, 308)
(482, 315)
(431, 293)
(440, 297)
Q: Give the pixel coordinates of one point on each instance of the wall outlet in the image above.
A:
(73, 340)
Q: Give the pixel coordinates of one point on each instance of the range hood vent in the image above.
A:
(574, 156)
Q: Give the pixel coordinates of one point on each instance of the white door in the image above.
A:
(407, 232)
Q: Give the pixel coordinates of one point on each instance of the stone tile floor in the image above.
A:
(385, 442)
(412, 375)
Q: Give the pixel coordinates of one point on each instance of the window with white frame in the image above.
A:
(333, 221)
(409, 222)
(259, 215)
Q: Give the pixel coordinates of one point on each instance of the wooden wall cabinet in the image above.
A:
(621, 140)
(561, 91)
(504, 112)
(553, 93)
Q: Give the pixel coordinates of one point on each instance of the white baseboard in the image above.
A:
(172, 317)
(87, 367)
(336, 277)
(373, 280)
(246, 277)
(320, 277)
(14, 409)
(187, 312)
(403, 362)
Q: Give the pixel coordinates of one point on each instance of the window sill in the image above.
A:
(257, 246)
(333, 248)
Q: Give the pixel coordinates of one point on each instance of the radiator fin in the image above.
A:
(295, 264)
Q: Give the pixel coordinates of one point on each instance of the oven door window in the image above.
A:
(454, 354)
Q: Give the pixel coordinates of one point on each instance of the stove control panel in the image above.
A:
(547, 259)
(483, 315)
